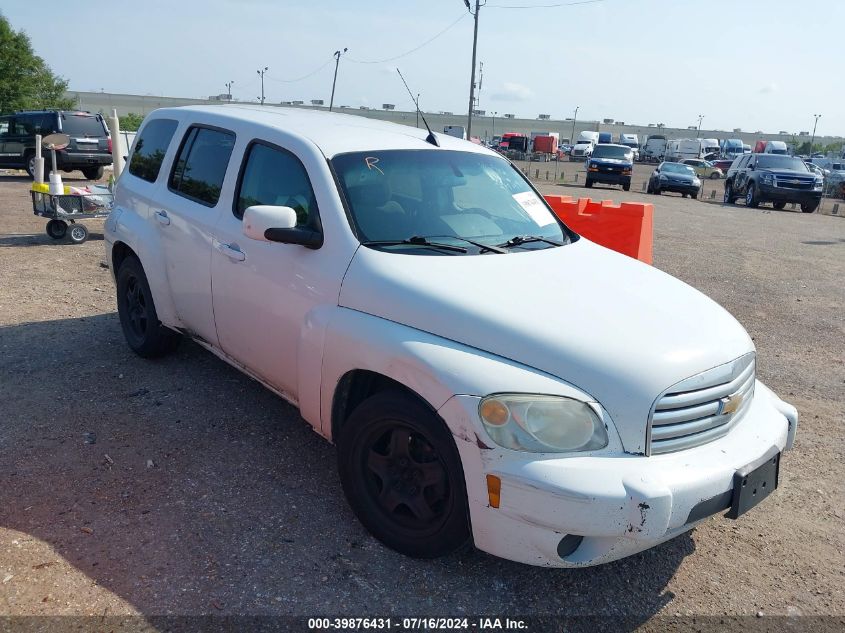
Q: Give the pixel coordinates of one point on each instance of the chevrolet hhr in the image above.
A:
(487, 375)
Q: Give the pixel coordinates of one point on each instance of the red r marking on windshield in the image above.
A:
(371, 164)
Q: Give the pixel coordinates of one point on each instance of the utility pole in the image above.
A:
(813, 140)
(700, 119)
(337, 55)
(574, 119)
(418, 109)
(229, 89)
(493, 125)
(472, 77)
(261, 73)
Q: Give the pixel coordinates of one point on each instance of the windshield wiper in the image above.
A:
(479, 245)
(518, 240)
(416, 240)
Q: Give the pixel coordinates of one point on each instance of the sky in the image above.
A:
(765, 65)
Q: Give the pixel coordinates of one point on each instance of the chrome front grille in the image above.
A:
(702, 408)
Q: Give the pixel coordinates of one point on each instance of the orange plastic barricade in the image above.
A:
(627, 228)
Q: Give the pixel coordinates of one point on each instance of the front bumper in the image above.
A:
(620, 504)
(769, 193)
(609, 178)
(679, 187)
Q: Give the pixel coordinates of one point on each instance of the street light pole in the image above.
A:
(493, 125)
(574, 119)
(261, 73)
(229, 89)
(472, 76)
(700, 119)
(813, 140)
(418, 109)
(337, 55)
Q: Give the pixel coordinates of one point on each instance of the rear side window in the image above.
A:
(85, 125)
(274, 176)
(200, 167)
(150, 149)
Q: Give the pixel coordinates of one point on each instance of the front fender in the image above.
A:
(435, 368)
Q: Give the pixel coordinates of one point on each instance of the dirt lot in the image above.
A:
(182, 487)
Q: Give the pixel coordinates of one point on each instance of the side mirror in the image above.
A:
(267, 223)
(751, 167)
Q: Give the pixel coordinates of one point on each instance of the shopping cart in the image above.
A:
(70, 207)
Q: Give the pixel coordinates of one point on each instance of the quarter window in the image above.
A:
(150, 149)
(274, 176)
(200, 167)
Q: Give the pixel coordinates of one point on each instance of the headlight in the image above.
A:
(542, 424)
(696, 182)
(818, 185)
(663, 178)
(767, 179)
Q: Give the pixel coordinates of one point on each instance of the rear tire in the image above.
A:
(29, 164)
(626, 187)
(93, 173)
(144, 333)
(809, 207)
(402, 476)
(729, 197)
(715, 176)
(57, 229)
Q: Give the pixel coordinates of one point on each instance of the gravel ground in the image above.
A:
(180, 486)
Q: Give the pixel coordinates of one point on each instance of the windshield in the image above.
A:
(777, 161)
(612, 151)
(394, 195)
(677, 168)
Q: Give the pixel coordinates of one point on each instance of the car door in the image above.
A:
(19, 129)
(740, 175)
(263, 291)
(185, 218)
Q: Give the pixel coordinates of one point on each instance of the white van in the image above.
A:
(458, 131)
(679, 149)
(776, 147)
(583, 149)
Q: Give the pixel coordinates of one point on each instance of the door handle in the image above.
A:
(162, 218)
(232, 253)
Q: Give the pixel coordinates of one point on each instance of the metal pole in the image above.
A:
(700, 119)
(472, 76)
(574, 119)
(418, 109)
(261, 73)
(229, 89)
(337, 55)
(813, 139)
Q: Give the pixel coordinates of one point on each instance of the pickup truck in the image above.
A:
(420, 303)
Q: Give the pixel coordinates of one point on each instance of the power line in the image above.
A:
(413, 50)
(311, 74)
(541, 6)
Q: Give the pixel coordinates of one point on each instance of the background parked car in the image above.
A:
(670, 176)
(773, 178)
(703, 168)
(89, 149)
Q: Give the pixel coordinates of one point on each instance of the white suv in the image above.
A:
(486, 374)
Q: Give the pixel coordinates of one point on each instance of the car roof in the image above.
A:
(612, 145)
(331, 132)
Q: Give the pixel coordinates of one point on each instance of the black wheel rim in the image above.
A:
(405, 478)
(135, 303)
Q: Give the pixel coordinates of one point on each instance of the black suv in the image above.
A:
(773, 178)
(89, 149)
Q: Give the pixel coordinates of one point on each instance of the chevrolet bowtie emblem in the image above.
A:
(731, 403)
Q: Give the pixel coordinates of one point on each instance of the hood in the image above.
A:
(610, 161)
(678, 177)
(618, 329)
(583, 144)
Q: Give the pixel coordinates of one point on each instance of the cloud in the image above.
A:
(513, 92)
(769, 89)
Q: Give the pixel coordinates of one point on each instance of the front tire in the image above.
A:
(402, 476)
(809, 207)
(779, 205)
(751, 200)
(29, 164)
(144, 333)
(715, 175)
(626, 187)
(588, 183)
